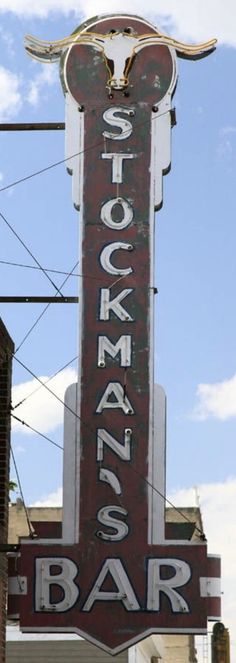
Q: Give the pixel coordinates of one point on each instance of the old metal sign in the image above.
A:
(114, 578)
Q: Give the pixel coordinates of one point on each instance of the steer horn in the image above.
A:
(46, 51)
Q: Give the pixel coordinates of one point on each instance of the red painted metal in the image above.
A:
(109, 623)
(88, 86)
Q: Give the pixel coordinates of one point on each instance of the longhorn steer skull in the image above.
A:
(117, 47)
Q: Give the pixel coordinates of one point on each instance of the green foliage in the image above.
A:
(12, 487)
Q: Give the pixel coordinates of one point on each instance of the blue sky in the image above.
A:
(195, 336)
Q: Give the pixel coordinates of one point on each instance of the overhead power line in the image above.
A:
(90, 147)
(29, 252)
(18, 264)
(23, 179)
(46, 382)
(12, 355)
(55, 271)
(36, 431)
(42, 313)
(31, 530)
(76, 415)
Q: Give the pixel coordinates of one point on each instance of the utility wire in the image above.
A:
(87, 149)
(31, 329)
(56, 271)
(49, 304)
(46, 381)
(43, 312)
(33, 175)
(134, 470)
(36, 431)
(75, 414)
(39, 172)
(169, 502)
(46, 387)
(47, 168)
(29, 252)
(51, 442)
(18, 264)
(12, 355)
(31, 531)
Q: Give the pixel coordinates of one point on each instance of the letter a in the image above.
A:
(124, 591)
(115, 390)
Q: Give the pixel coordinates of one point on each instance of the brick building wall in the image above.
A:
(6, 350)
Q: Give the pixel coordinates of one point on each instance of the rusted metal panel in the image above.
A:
(110, 622)
(119, 579)
(86, 81)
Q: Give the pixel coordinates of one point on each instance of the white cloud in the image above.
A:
(13, 89)
(217, 503)
(28, 8)
(194, 20)
(42, 410)
(216, 400)
(10, 94)
(47, 76)
(53, 499)
(8, 41)
(228, 130)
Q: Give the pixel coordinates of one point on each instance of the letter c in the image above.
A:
(105, 257)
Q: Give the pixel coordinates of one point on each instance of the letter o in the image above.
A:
(106, 214)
